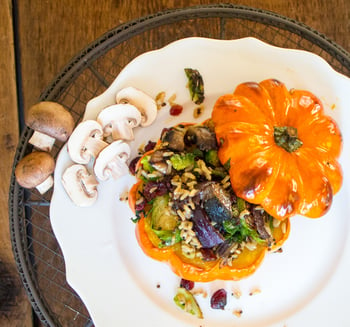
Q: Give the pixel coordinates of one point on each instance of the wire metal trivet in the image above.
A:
(38, 256)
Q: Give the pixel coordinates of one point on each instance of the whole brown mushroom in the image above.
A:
(50, 121)
(35, 171)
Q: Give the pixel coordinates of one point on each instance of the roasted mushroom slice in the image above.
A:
(86, 141)
(80, 185)
(142, 101)
(119, 120)
(175, 139)
(111, 162)
(35, 171)
(202, 137)
(50, 121)
(259, 221)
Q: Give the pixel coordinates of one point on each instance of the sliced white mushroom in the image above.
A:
(119, 120)
(142, 101)
(86, 141)
(111, 161)
(80, 185)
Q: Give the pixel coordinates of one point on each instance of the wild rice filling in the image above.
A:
(187, 197)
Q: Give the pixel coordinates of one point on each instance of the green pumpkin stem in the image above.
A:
(287, 138)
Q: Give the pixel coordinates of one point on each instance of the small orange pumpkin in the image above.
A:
(281, 147)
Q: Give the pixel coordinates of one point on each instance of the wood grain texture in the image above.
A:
(15, 309)
(52, 32)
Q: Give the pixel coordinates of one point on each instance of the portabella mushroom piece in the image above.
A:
(111, 161)
(202, 136)
(86, 142)
(142, 101)
(35, 171)
(119, 120)
(80, 185)
(50, 121)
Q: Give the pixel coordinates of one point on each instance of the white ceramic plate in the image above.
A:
(306, 285)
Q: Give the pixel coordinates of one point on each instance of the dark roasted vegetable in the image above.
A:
(195, 85)
(216, 211)
(175, 139)
(211, 190)
(207, 235)
(202, 137)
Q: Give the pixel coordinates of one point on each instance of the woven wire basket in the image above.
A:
(38, 256)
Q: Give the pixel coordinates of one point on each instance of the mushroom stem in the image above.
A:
(124, 130)
(45, 185)
(94, 146)
(86, 142)
(42, 141)
(116, 168)
(119, 120)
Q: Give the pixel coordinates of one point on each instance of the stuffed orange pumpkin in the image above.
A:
(188, 216)
(281, 148)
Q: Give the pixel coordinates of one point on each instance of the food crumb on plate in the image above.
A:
(236, 293)
(160, 100)
(238, 312)
(198, 111)
(200, 291)
(255, 291)
(123, 197)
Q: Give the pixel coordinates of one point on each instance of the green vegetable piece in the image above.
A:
(185, 300)
(168, 237)
(195, 85)
(180, 162)
(240, 204)
(227, 164)
(146, 164)
(162, 219)
(219, 172)
(239, 232)
(211, 158)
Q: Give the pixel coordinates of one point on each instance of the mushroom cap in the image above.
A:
(34, 168)
(80, 185)
(113, 117)
(112, 157)
(142, 101)
(52, 119)
(80, 136)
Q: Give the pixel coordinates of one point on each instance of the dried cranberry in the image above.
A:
(140, 206)
(153, 189)
(150, 146)
(176, 110)
(132, 165)
(219, 299)
(208, 254)
(187, 284)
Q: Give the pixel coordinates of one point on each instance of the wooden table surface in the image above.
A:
(39, 37)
